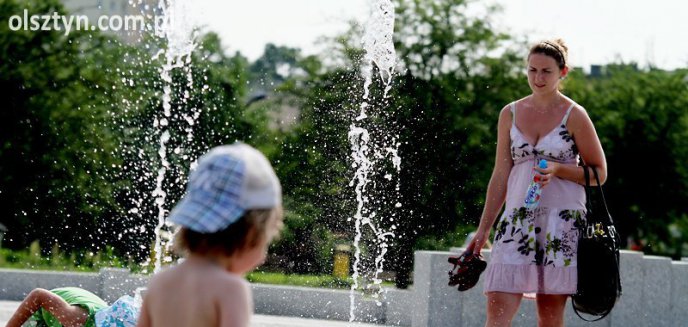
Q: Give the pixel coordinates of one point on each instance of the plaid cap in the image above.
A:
(228, 181)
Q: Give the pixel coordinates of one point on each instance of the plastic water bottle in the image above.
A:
(535, 188)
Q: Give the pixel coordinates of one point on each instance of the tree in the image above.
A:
(79, 150)
(55, 154)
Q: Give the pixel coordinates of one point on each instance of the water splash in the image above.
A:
(179, 32)
(365, 151)
(379, 44)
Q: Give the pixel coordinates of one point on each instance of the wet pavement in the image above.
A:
(8, 307)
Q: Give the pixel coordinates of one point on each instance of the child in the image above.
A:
(229, 215)
(69, 306)
(73, 307)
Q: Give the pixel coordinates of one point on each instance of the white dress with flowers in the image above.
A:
(534, 250)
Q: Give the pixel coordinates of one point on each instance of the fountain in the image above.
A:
(178, 31)
(379, 52)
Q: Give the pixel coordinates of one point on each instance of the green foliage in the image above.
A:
(438, 242)
(323, 281)
(304, 246)
(77, 140)
(275, 65)
(54, 147)
(79, 260)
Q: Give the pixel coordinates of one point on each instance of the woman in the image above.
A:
(534, 250)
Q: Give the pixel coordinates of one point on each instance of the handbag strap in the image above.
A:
(588, 193)
(604, 201)
(588, 198)
(599, 317)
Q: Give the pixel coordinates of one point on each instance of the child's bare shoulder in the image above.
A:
(234, 300)
(213, 281)
(162, 278)
(232, 284)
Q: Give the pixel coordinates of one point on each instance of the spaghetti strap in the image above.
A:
(568, 112)
(512, 106)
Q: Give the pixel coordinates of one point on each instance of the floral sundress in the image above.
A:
(534, 250)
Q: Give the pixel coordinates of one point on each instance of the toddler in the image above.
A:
(229, 215)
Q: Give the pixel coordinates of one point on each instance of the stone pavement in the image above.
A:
(8, 307)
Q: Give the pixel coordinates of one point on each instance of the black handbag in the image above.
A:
(599, 282)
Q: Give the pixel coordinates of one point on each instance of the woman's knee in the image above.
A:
(501, 307)
(551, 301)
(551, 309)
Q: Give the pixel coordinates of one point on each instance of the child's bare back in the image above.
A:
(197, 293)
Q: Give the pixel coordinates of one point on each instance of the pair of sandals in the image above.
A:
(466, 271)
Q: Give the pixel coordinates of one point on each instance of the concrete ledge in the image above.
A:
(15, 284)
(400, 304)
(117, 282)
(654, 291)
(474, 301)
(628, 311)
(111, 283)
(679, 290)
(436, 304)
(316, 303)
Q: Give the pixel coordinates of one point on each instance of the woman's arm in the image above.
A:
(584, 134)
(496, 189)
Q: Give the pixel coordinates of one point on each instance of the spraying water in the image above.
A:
(178, 31)
(365, 151)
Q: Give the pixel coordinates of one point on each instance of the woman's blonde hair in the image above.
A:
(254, 227)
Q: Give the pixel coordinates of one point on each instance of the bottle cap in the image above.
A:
(542, 164)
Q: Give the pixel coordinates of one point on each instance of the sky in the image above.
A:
(596, 31)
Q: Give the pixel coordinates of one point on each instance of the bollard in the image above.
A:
(340, 267)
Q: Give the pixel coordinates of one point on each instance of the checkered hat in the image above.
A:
(228, 181)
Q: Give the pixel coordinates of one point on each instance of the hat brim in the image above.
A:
(205, 215)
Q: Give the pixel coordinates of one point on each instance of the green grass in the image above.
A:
(323, 281)
(82, 261)
(31, 259)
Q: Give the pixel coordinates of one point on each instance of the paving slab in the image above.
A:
(8, 307)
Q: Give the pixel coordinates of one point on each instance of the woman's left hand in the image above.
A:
(548, 173)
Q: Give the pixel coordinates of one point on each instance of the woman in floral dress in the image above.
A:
(534, 250)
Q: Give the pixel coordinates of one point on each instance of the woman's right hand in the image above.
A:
(477, 243)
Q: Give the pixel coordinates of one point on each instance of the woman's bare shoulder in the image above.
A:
(578, 113)
(579, 120)
(522, 101)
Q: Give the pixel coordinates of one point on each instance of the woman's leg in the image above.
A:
(68, 315)
(501, 308)
(550, 308)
